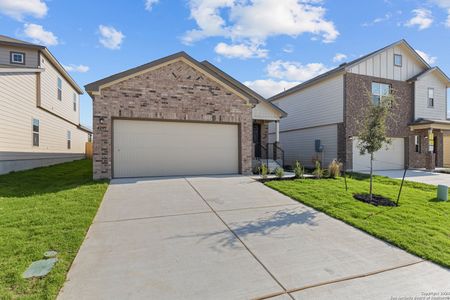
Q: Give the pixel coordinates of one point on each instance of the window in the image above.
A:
(74, 102)
(418, 143)
(59, 89)
(17, 58)
(431, 97)
(379, 90)
(69, 139)
(35, 132)
(397, 60)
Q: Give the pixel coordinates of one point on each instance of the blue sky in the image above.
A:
(267, 44)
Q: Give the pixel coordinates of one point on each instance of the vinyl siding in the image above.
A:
(320, 104)
(300, 144)
(31, 56)
(49, 93)
(264, 111)
(382, 65)
(18, 99)
(421, 109)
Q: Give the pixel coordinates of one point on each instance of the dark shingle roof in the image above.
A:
(15, 42)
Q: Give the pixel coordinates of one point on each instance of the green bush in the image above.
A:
(299, 170)
(334, 169)
(263, 170)
(318, 171)
(279, 172)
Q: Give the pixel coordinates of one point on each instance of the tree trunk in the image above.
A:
(371, 174)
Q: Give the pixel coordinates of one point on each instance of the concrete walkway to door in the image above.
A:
(234, 238)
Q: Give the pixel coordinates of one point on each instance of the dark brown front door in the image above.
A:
(257, 139)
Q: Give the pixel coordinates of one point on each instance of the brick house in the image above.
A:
(324, 112)
(177, 116)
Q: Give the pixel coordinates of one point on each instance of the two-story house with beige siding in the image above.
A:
(324, 112)
(39, 109)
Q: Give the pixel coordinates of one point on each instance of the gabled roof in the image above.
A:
(9, 41)
(430, 70)
(345, 66)
(205, 66)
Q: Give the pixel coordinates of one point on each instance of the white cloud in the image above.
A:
(423, 18)
(110, 37)
(339, 57)
(17, 9)
(255, 21)
(295, 71)
(428, 58)
(242, 51)
(269, 87)
(288, 48)
(445, 4)
(76, 68)
(149, 4)
(39, 35)
(382, 19)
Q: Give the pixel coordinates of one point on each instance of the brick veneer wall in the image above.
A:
(356, 100)
(175, 91)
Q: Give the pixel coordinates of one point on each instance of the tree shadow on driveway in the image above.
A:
(269, 224)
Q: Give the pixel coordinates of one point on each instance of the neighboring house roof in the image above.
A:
(422, 121)
(84, 128)
(345, 66)
(204, 66)
(434, 69)
(8, 41)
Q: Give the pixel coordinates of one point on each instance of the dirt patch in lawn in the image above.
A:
(377, 200)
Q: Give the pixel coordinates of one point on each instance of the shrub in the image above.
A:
(299, 170)
(334, 169)
(263, 170)
(279, 172)
(318, 171)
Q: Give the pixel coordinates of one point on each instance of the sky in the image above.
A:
(269, 45)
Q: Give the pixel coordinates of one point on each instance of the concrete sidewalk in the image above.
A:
(230, 237)
(433, 178)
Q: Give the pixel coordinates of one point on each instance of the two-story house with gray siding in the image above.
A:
(323, 113)
(39, 109)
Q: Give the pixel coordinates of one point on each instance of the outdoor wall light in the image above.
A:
(102, 120)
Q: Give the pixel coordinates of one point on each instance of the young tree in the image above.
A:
(372, 131)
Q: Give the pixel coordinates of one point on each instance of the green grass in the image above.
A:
(44, 209)
(419, 225)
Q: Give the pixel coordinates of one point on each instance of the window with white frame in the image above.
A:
(69, 139)
(35, 129)
(418, 143)
(379, 91)
(17, 58)
(59, 89)
(398, 60)
(74, 102)
(430, 97)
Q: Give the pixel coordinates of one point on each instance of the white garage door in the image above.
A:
(391, 159)
(153, 148)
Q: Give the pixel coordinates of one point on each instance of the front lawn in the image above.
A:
(44, 209)
(420, 224)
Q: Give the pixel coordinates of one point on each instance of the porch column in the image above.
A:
(277, 131)
(430, 163)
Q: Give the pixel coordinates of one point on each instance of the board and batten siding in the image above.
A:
(421, 109)
(382, 65)
(49, 93)
(300, 144)
(31, 56)
(18, 100)
(317, 105)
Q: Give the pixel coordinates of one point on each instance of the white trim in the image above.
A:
(21, 70)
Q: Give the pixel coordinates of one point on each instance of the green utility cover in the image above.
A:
(40, 268)
(442, 192)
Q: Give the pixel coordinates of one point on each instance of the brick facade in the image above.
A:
(175, 91)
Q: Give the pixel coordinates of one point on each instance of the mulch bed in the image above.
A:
(377, 200)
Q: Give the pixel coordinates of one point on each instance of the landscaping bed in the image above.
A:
(419, 225)
(44, 209)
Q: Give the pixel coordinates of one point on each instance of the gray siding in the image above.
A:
(421, 109)
(300, 144)
(31, 56)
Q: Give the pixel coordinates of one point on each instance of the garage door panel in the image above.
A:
(153, 148)
(390, 157)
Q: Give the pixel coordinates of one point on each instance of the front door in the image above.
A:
(257, 139)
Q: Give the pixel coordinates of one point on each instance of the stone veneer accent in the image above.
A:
(357, 98)
(175, 91)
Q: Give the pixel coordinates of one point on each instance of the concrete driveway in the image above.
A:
(432, 178)
(233, 238)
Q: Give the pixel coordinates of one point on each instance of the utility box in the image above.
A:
(442, 192)
(318, 146)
